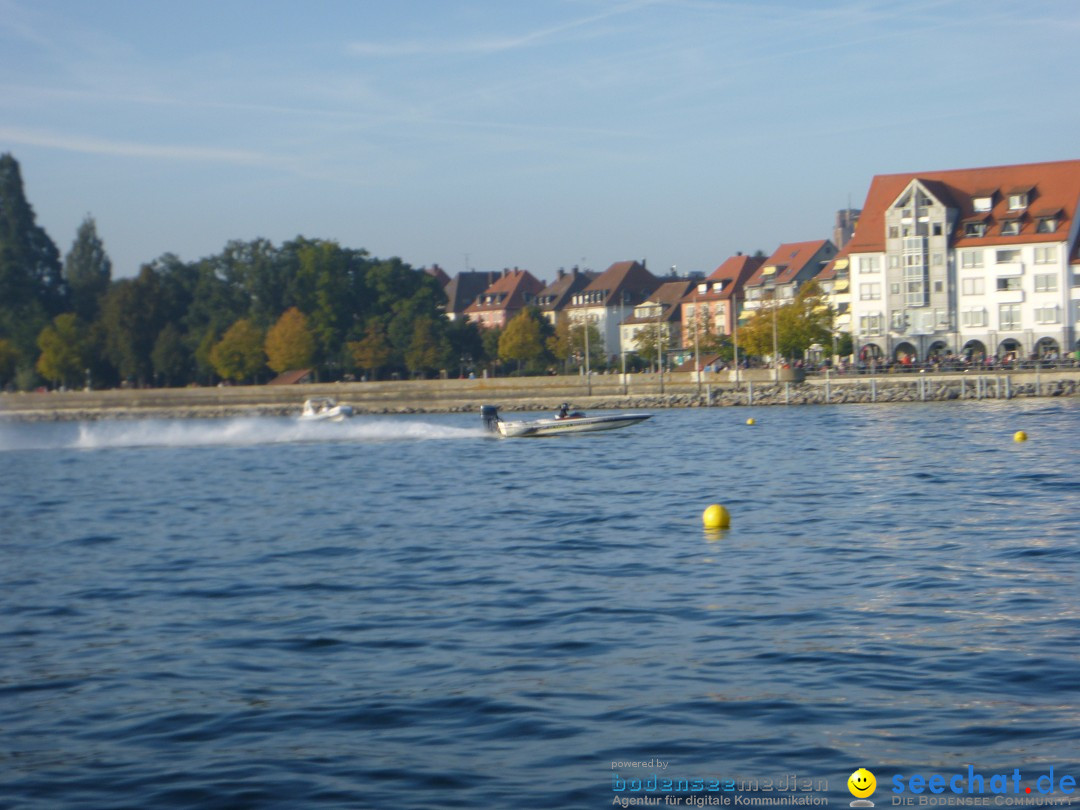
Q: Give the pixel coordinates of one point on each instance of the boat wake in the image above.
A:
(238, 432)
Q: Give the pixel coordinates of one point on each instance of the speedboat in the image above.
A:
(324, 409)
(560, 425)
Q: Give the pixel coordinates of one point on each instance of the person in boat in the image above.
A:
(564, 411)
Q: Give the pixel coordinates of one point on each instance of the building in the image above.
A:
(844, 229)
(835, 283)
(717, 298)
(975, 262)
(463, 289)
(660, 312)
(610, 298)
(781, 275)
(554, 298)
(510, 293)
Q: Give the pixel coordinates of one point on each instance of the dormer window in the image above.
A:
(1046, 225)
(983, 204)
(1019, 198)
(702, 288)
(1010, 227)
(975, 228)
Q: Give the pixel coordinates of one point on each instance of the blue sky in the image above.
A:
(537, 134)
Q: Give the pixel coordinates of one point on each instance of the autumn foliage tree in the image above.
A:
(64, 349)
(239, 354)
(372, 351)
(523, 339)
(799, 323)
(290, 343)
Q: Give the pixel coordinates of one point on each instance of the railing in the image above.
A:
(945, 367)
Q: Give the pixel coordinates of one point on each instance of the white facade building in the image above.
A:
(972, 262)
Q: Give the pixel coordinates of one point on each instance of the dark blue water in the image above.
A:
(400, 612)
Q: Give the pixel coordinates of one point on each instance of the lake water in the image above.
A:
(403, 612)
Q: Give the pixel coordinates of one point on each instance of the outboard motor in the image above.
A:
(490, 415)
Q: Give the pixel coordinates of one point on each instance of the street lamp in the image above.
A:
(659, 345)
(697, 355)
(735, 333)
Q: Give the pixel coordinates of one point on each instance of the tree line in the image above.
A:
(256, 309)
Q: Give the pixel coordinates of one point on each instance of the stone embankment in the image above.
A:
(533, 394)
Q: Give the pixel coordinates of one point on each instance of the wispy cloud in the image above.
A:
(101, 146)
(496, 44)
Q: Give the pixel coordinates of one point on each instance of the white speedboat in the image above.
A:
(559, 425)
(324, 409)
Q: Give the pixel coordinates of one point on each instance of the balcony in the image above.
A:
(1009, 296)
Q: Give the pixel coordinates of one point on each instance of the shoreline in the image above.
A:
(527, 394)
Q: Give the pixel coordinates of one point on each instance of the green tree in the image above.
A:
(170, 357)
(373, 351)
(798, 323)
(647, 338)
(9, 357)
(239, 354)
(567, 343)
(289, 343)
(64, 354)
(131, 317)
(428, 350)
(87, 271)
(522, 340)
(32, 288)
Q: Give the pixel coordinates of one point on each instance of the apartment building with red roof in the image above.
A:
(660, 312)
(610, 298)
(463, 290)
(510, 293)
(788, 268)
(715, 301)
(976, 262)
(555, 297)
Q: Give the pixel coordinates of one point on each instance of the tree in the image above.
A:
(567, 342)
(651, 336)
(87, 271)
(798, 324)
(32, 288)
(170, 356)
(131, 315)
(289, 343)
(9, 357)
(373, 351)
(239, 354)
(428, 349)
(64, 354)
(522, 340)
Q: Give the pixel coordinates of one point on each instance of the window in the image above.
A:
(974, 229)
(972, 286)
(898, 321)
(1009, 316)
(894, 261)
(939, 228)
(974, 316)
(982, 203)
(1007, 256)
(1018, 200)
(1008, 283)
(971, 258)
(1046, 225)
(939, 286)
(870, 324)
(894, 232)
(1045, 282)
(1048, 314)
(869, 264)
(1046, 255)
(1010, 227)
(894, 288)
(870, 292)
(937, 260)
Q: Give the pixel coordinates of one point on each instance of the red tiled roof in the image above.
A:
(627, 283)
(733, 274)
(509, 290)
(788, 259)
(1054, 185)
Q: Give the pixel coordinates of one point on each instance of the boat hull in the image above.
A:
(539, 428)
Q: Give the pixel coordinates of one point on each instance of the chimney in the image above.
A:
(562, 272)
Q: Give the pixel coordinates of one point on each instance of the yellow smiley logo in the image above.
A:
(861, 783)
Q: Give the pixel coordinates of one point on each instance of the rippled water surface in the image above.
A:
(401, 612)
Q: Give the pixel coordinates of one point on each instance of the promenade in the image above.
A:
(675, 390)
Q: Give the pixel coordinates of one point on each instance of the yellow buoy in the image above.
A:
(750, 421)
(1019, 436)
(716, 517)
